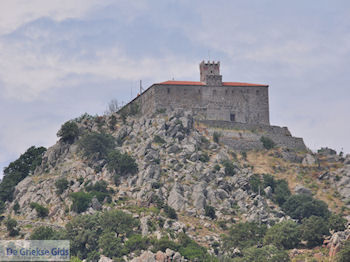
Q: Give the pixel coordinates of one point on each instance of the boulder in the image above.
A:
(299, 189)
(309, 160)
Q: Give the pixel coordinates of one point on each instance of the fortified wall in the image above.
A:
(230, 104)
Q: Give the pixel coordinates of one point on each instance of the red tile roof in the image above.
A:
(197, 83)
(239, 84)
(182, 83)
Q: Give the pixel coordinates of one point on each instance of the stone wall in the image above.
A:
(244, 137)
(247, 104)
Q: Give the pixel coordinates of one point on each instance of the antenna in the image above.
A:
(141, 89)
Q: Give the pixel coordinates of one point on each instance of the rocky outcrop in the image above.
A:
(160, 256)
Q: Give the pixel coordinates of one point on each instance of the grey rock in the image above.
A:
(268, 191)
(105, 259)
(144, 225)
(309, 160)
(169, 252)
(176, 199)
(173, 149)
(95, 204)
(299, 189)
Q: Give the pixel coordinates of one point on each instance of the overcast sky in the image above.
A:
(62, 58)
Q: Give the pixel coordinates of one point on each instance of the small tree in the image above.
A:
(121, 164)
(96, 146)
(43, 233)
(111, 245)
(336, 222)
(267, 142)
(16, 207)
(210, 212)
(216, 137)
(68, 132)
(40, 210)
(11, 225)
(170, 212)
(61, 185)
(229, 168)
(313, 230)
(284, 235)
(81, 201)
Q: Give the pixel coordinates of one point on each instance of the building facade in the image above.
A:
(210, 98)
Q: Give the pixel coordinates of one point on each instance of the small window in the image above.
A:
(232, 117)
(214, 92)
(168, 90)
(257, 92)
(199, 91)
(226, 91)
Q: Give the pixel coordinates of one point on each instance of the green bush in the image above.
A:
(156, 185)
(191, 250)
(269, 180)
(284, 235)
(313, 230)
(216, 137)
(81, 201)
(18, 170)
(118, 222)
(111, 245)
(267, 253)
(244, 235)
(217, 167)
(68, 132)
(337, 223)
(11, 226)
(16, 207)
(170, 212)
(267, 142)
(304, 206)
(40, 210)
(121, 164)
(2, 207)
(229, 168)
(100, 191)
(43, 233)
(204, 157)
(97, 146)
(256, 184)
(210, 212)
(164, 243)
(158, 140)
(344, 253)
(61, 185)
(137, 242)
(281, 192)
(112, 122)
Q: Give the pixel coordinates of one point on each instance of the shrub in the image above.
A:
(96, 146)
(216, 167)
(158, 140)
(244, 235)
(210, 212)
(267, 142)
(118, 222)
(2, 207)
(43, 233)
(16, 171)
(156, 185)
(164, 243)
(99, 190)
(344, 253)
(269, 180)
(112, 122)
(255, 184)
(304, 206)
(336, 222)
(61, 185)
(313, 229)
(136, 242)
(68, 132)
(284, 235)
(216, 137)
(81, 201)
(267, 253)
(110, 245)
(204, 157)
(11, 225)
(191, 250)
(121, 164)
(281, 192)
(40, 210)
(16, 207)
(170, 212)
(229, 168)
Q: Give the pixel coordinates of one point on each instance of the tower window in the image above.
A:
(232, 117)
(168, 90)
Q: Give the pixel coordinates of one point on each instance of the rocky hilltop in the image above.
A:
(187, 188)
